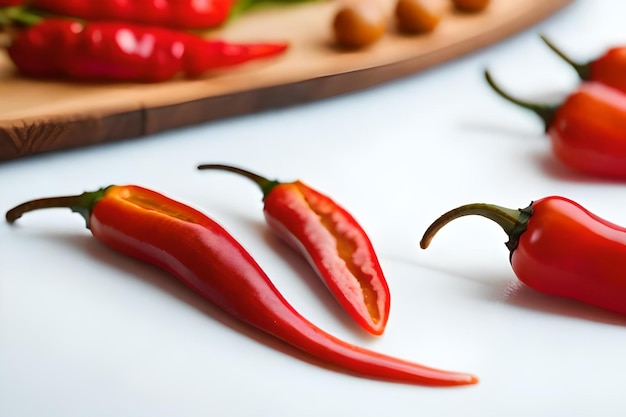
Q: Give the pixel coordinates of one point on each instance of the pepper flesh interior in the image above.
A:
(345, 249)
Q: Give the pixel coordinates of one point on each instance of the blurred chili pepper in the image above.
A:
(558, 247)
(174, 14)
(609, 68)
(124, 52)
(331, 240)
(153, 228)
(9, 3)
(587, 130)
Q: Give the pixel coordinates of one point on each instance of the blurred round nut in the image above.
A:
(359, 23)
(471, 5)
(419, 16)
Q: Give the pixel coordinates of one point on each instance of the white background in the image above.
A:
(85, 331)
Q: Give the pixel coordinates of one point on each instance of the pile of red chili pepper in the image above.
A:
(556, 245)
(331, 240)
(195, 249)
(138, 41)
(588, 129)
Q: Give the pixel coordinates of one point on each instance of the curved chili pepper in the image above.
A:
(174, 14)
(587, 130)
(153, 228)
(124, 52)
(558, 247)
(608, 69)
(332, 241)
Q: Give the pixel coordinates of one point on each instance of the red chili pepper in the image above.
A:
(607, 69)
(558, 247)
(183, 241)
(175, 14)
(124, 52)
(332, 241)
(587, 130)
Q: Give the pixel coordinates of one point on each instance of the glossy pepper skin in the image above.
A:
(195, 249)
(124, 52)
(609, 68)
(587, 130)
(332, 241)
(174, 14)
(558, 247)
(9, 3)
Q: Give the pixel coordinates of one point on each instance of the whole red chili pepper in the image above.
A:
(332, 241)
(153, 228)
(124, 52)
(175, 14)
(587, 130)
(608, 69)
(558, 247)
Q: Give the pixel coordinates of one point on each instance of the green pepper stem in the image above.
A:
(11, 15)
(544, 111)
(265, 184)
(81, 203)
(513, 222)
(583, 70)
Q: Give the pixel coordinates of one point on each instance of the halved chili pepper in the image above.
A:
(195, 249)
(175, 14)
(587, 130)
(558, 247)
(124, 52)
(609, 68)
(331, 240)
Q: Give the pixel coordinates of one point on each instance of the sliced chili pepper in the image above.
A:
(587, 130)
(124, 52)
(331, 240)
(174, 14)
(607, 69)
(558, 247)
(153, 228)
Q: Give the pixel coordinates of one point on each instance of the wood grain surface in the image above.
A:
(45, 115)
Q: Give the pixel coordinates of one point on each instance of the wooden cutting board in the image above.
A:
(41, 115)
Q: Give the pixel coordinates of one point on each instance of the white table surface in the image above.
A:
(85, 331)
